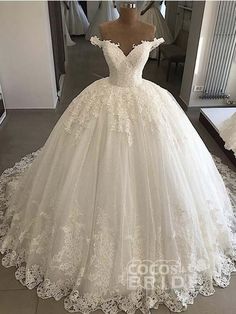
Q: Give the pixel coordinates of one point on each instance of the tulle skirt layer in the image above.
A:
(123, 180)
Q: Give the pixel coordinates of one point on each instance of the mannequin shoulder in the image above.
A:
(105, 29)
(149, 30)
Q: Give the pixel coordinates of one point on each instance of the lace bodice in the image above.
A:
(126, 70)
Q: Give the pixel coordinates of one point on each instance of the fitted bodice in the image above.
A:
(126, 70)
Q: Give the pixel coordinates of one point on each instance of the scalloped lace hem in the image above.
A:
(175, 300)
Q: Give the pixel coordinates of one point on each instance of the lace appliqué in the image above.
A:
(228, 133)
(229, 177)
(96, 41)
(116, 94)
(34, 276)
(157, 42)
(97, 103)
(100, 267)
(152, 43)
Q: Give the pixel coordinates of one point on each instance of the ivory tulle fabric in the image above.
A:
(228, 132)
(123, 178)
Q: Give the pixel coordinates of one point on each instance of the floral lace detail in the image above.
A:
(96, 103)
(66, 259)
(229, 177)
(35, 276)
(123, 85)
(12, 175)
(96, 41)
(152, 43)
(175, 300)
(71, 237)
(100, 267)
(126, 70)
(228, 133)
(156, 42)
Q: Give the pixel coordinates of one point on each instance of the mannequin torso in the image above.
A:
(127, 30)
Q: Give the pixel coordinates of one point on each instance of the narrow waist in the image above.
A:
(124, 83)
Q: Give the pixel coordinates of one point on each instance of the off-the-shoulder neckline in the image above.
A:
(118, 44)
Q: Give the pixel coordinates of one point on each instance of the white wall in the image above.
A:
(26, 61)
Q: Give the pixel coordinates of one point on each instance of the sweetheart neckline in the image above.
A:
(134, 46)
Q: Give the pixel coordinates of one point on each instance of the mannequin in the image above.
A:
(127, 30)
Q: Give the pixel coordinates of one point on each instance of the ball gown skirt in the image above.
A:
(123, 182)
(228, 133)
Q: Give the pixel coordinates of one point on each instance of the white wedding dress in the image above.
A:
(123, 179)
(69, 42)
(76, 19)
(228, 133)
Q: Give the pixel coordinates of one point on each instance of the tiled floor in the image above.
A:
(25, 131)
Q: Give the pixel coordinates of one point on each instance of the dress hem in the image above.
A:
(174, 300)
